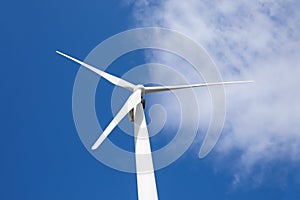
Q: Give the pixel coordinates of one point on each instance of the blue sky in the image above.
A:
(42, 155)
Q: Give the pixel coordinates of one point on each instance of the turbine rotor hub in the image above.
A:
(140, 87)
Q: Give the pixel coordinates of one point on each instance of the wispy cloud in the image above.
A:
(256, 39)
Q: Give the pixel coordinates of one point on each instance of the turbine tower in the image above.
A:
(134, 106)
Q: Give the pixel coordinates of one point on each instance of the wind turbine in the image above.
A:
(134, 106)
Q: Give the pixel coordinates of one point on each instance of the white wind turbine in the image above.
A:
(134, 105)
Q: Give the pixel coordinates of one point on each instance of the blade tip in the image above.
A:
(58, 52)
(94, 147)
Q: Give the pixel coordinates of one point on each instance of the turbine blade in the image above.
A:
(131, 102)
(113, 79)
(176, 87)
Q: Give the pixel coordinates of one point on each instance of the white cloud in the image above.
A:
(258, 40)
